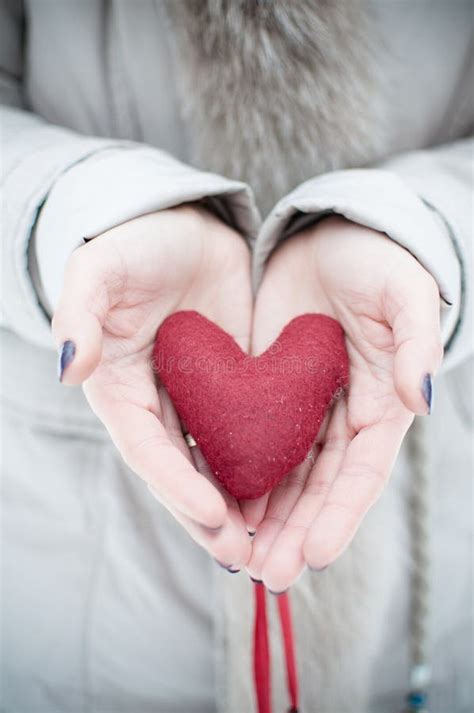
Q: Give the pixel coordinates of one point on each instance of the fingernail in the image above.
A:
(66, 355)
(227, 567)
(427, 391)
(278, 594)
(257, 581)
(252, 533)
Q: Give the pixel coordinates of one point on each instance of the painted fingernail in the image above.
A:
(227, 567)
(257, 581)
(252, 533)
(66, 356)
(427, 391)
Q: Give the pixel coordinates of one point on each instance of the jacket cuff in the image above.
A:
(380, 200)
(117, 185)
(27, 177)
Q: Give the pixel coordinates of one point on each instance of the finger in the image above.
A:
(226, 545)
(363, 474)
(147, 449)
(253, 512)
(280, 504)
(229, 544)
(285, 498)
(80, 314)
(285, 562)
(414, 315)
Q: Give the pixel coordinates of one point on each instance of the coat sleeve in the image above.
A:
(422, 200)
(79, 186)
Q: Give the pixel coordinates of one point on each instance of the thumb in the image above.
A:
(417, 338)
(79, 316)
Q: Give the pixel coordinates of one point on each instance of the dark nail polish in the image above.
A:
(66, 355)
(233, 571)
(252, 533)
(427, 391)
(257, 581)
(277, 594)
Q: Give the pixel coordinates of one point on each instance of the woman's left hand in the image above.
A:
(117, 291)
(388, 306)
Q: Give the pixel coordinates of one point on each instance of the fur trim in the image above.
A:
(274, 93)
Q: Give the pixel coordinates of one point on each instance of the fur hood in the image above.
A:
(274, 93)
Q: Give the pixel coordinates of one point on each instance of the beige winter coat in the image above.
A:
(107, 605)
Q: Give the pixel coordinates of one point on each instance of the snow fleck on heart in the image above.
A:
(254, 418)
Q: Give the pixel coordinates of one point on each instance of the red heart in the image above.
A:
(254, 418)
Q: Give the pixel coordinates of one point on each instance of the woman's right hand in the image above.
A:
(117, 290)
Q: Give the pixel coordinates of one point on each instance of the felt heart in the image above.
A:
(254, 418)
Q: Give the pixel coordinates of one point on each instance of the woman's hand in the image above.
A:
(117, 290)
(388, 306)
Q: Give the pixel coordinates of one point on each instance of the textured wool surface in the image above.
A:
(254, 418)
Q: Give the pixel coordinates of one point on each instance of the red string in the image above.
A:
(261, 651)
(289, 645)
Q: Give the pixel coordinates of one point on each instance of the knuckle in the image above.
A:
(340, 507)
(319, 489)
(365, 472)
